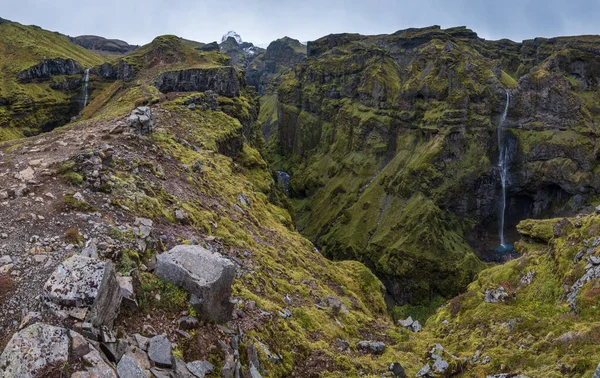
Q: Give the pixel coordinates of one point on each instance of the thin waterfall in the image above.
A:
(503, 166)
(86, 80)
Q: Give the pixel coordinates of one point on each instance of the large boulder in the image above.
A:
(206, 275)
(142, 120)
(37, 349)
(86, 289)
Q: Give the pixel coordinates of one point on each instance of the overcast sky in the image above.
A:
(260, 22)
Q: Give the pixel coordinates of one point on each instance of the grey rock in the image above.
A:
(416, 326)
(200, 368)
(128, 367)
(406, 323)
(597, 372)
(206, 275)
(180, 369)
(33, 349)
(244, 200)
(114, 351)
(424, 372)
(254, 372)
(141, 341)
(496, 295)
(90, 250)
(159, 351)
(129, 298)
(5, 260)
(373, 347)
(188, 322)
(79, 345)
(594, 260)
(84, 282)
(98, 367)
(142, 120)
(397, 370)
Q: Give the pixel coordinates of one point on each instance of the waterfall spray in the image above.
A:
(503, 167)
(86, 80)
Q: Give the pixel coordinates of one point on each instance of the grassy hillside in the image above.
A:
(27, 108)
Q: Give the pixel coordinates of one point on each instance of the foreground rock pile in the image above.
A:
(85, 295)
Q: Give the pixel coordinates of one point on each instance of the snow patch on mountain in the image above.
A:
(234, 35)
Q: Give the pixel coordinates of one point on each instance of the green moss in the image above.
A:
(158, 294)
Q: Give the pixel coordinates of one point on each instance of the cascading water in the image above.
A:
(503, 169)
(86, 80)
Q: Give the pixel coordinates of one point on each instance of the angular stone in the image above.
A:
(33, 349)
(397, 370)
(26, 175)
(496, 295)
(141, 341)
(84, 282)
(159, 351)
(200, 368)
(90, 250)
(254, 372)
(98, 367)
(373, 347)
(180, 369)
(188, 322)
(416, 326)
(79, 345)
(406, 323)
(129, 298)
(128, 367)
(5, 260)
(208, 276)
(29, 318)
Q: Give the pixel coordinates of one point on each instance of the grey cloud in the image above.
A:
(266, 20)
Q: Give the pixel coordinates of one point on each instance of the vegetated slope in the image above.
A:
(547, 324)
(200, 162)
(391, 142)
(50, 94)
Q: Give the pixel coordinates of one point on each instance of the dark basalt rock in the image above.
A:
(49, 68)
(213, 46)
(123, 71)
(222, 80)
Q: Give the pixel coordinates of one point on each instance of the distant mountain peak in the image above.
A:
(233, 35)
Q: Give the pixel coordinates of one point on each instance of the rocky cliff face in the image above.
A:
(222, 80)
(392, 146)
(49, 68)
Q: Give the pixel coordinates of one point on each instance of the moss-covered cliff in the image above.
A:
(41, 79)
(391, 142)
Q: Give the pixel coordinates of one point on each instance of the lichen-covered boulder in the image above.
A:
(86, 286)
(33, 350)
(206, 275)
(142, 120)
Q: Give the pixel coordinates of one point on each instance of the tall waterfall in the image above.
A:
(503, 166)
(86, 80)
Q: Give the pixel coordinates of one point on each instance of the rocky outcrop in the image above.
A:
(38, 349)
(49, 68)
(123, 71)
(206, 275)
(213, 46)
(223, 80)
(142, 120)
(281, 56)
(85, 289)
